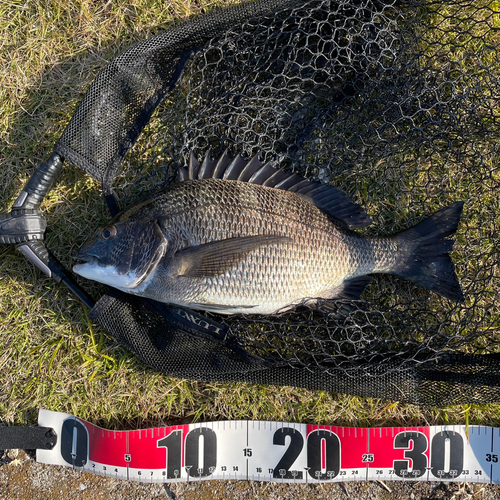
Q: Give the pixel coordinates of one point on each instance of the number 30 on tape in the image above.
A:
(275, 451)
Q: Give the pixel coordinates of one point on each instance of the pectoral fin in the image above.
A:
(213, 259)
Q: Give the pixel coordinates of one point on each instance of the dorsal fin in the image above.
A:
(234, 169)
(207, 167)
(328, 198)
(194, 166)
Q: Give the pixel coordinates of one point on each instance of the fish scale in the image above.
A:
(240, 246)
(315, 262)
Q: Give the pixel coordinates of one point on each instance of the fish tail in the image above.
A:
(424, 257)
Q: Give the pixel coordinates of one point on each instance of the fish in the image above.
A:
(236, 236)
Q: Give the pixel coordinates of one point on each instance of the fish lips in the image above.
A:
(85, 256)
(95, 270)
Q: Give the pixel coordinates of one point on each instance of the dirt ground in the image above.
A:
(24, 479)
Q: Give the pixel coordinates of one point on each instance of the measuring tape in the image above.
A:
(275, 451)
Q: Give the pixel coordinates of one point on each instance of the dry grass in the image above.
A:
(50, 354)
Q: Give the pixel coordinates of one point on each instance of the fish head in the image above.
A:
(122, 254)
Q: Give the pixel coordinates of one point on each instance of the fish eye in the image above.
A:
(108, 233)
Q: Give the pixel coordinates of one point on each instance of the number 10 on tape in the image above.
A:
(275, 451)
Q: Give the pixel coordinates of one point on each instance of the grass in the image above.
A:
(51, 356)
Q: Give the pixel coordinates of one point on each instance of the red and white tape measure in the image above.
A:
(275, 451)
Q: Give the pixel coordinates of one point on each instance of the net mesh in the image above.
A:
(394, 103)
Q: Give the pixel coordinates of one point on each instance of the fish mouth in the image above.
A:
(84, 261)
(85, 256)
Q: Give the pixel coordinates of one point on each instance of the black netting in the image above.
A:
(179, 351)
(122, 98)
(396, 104)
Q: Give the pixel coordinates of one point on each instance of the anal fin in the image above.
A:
(352, 288)
(339, 304)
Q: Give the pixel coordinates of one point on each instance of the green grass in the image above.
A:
(51, 356)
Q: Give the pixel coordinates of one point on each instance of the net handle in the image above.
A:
(25, 227)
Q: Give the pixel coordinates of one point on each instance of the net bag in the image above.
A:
(395, 103)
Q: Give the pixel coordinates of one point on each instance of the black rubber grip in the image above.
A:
(42, 180)
(22, 225)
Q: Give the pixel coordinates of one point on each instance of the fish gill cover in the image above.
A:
(393, 102)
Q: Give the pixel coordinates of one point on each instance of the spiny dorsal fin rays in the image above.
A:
(182, 174)
(207, 167)
(328, 198)
(220, 168)
(194, 166)
(262, 174)
(234, 169)
(276, 178)
(251, 167)
(195, 170)
(191, 172)
(287, 183)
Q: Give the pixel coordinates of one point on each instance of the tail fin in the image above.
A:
(424, 253)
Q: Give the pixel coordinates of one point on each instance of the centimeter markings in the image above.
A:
(275, 451)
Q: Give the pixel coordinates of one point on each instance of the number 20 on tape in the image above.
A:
(275, 451)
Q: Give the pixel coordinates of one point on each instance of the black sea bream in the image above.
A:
(241, 237)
